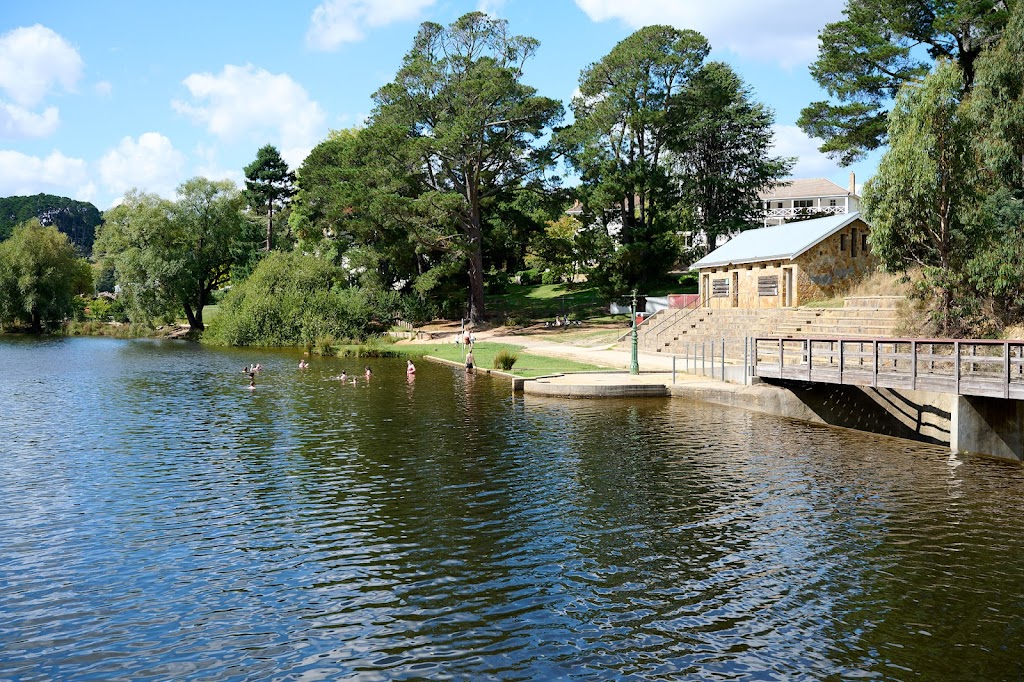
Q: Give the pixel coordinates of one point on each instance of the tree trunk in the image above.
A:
(270, 225)
(477, 312)
(37, 321)
(193, 321)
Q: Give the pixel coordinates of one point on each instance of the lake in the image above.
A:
(161, 521)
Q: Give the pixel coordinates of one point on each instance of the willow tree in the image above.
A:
(922, 202)
(469, 127)
(170, 257)
(40, 274)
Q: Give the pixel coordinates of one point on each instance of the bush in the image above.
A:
(324, 345)
(293, 299)
(528, 277)
(550, 277)
(505, 360)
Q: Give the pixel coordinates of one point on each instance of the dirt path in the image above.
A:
(544, 341)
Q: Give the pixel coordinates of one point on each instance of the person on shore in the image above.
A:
(409, 367)
(469, 361)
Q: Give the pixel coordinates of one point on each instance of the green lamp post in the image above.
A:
(634, 364)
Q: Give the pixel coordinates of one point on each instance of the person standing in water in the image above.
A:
(409, 367)
(469, 361)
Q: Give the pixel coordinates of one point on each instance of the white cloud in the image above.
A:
(811, 163)
(33, 61)
(103, 88)
(244, 102)
(492, 7)
(21, 174)
(344, 21)
(17, 122)
(783, 31)
(150, 163)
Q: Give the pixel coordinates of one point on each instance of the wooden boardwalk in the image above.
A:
(959, 366)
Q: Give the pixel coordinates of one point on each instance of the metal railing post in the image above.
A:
(673, 369)
(1006, 370)
(913, 365)
(956, 367)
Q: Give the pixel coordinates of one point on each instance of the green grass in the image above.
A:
(528, 365)
(544, 301)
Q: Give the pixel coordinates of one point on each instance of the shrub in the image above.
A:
(505, 360)
(528, 277)
(325, 345)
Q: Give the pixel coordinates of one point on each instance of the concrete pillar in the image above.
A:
(988, 426)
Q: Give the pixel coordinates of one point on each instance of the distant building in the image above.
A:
(800, 199)
(787, 265)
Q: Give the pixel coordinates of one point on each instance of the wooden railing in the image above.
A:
(959, 366)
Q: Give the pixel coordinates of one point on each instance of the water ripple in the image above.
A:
(165, 522)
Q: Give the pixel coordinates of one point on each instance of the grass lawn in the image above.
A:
(483, 353)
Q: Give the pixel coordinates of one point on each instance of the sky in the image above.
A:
(100, 97)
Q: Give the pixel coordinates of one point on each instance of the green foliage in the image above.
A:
(618, 145)
(40, 276)
(504, 360)
(268, 186)
(459, 122)
(921, 202)
(554, 251)
(77, 219)
(721, 142)
(293, 299)
(170, 257)
(880, 46)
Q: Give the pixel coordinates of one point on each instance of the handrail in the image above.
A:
(885, 364)
(686, 310)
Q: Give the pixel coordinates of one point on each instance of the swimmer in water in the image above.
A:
(410, 368)
(368, 373)
(343, 377)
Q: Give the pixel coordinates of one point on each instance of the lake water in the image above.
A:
(159, 521)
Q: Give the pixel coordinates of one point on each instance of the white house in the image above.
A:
(807, 198)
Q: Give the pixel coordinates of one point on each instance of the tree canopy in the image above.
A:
(40, 274)
(879, 46)
(721, 142)
(460, 121)
(169, 256)
(618, 145)
(268, 186)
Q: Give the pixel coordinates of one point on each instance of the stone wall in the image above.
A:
(823, 271)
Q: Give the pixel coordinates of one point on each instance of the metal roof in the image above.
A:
(779, 242)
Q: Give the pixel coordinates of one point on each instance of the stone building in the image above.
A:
(787, 265)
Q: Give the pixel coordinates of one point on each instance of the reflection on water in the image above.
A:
(161, 521)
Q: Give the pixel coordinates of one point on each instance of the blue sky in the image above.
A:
(99, 97)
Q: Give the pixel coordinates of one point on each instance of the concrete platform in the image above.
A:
(609, 384)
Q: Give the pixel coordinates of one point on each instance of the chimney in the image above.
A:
(853, 183)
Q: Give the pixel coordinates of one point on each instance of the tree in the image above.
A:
(721, 142)
(996, 107)
(921, 203)
(171, 256)
(269, 185)
(40, 274)
(618, 145)
(466, 127)
(882, 45)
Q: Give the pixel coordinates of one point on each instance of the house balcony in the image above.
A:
(777, 216)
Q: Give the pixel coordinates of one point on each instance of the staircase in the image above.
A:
(679, 332)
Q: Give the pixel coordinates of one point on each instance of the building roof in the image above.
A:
(779, 242)
(801, 188)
